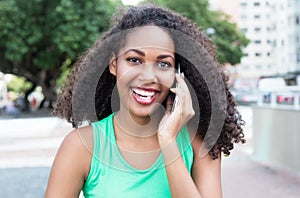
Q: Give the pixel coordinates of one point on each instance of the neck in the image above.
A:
(137, 126)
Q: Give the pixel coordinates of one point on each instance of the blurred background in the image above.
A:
(258, 42)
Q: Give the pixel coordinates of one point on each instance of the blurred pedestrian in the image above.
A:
(21, 103)
(12, 109)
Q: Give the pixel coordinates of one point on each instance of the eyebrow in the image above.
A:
(165, 56)
(143, 54)
(136, 51)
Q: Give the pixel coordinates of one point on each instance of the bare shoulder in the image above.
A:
(86, 137)
(80, 139)
(71, 164)
(78, 146)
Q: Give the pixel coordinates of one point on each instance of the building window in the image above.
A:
(257, 29)
(269, 41)
(244, 30)
(243, 4)
(245, 67)
(256, 16)
(282, 42)
(268, 53)
(257, 41)
(257, 54)
(243, 17)
(258, 66)
(297, 20)
(245, 54)
(256, 4)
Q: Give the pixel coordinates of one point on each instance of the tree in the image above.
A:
(37, 37)
(225, 34)
(18, 84)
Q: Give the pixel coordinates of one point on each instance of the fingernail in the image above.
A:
(172, 89)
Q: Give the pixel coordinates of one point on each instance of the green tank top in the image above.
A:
(112, 176)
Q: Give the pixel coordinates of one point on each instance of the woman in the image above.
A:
(140, 142)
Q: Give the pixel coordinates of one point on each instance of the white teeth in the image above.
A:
(146, 97)
(144, 93)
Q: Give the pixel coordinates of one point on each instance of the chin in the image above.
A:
(152, 110)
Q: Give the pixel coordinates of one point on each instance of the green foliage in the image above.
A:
(18, 84)
(44, 31)
(38, 36)
(65, 70)
(197, 10)
(227, 37)
(229, 40)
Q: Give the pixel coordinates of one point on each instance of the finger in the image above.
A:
(183, 98)
(177, 102)
(181, 82)
(179, 92)
(169, 104)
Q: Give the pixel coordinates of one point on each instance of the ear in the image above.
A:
(113, 64)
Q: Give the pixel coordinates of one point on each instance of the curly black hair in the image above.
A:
(201, 69)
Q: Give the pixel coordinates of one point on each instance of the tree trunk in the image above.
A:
(47, 80)
(50, 96)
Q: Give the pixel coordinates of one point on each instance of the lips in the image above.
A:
(144, 95)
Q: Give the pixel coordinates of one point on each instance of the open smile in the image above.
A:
(144, 96)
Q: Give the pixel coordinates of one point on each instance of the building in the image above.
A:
(230, 7)
(273, 26)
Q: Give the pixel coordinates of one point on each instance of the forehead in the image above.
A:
(149, 36)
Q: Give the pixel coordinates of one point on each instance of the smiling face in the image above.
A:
(144, 69)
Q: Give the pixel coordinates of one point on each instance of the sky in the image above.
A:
(130, 2)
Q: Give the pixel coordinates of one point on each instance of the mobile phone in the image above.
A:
(176, 97)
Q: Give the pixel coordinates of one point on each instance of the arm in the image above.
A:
(70, 168)
(206, 172)
(180, 181)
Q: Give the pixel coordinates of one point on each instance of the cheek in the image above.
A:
(167, 79)
(125, 77)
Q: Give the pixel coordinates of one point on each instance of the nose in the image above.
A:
(147, 74)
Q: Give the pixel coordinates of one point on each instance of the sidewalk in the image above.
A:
(30, 141)
(33, 114)
(242, 177)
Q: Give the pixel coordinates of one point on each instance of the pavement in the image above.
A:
(243, 177)
(28, 145)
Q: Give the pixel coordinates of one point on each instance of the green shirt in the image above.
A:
(112, 176)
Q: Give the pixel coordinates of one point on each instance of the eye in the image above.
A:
(164, 65)
(134, 60)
